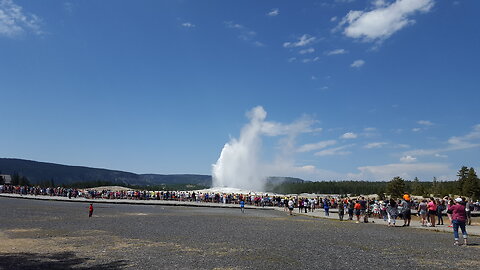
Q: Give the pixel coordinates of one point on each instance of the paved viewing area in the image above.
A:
(52, 234)
(318, 213)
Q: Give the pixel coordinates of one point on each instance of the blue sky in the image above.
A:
(359, 89)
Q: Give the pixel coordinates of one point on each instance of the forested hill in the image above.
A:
(37, 172)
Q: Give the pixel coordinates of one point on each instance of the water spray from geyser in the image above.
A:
(239, 164)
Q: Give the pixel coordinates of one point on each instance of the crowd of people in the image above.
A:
(430, 211)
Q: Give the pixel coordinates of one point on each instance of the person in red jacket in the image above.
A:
(90, 210)
(459, 217)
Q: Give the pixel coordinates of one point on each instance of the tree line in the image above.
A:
(467, 184)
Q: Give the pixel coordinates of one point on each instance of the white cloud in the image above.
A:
(337, 151)
(408, 159)
(379, 3)
(357, 63)
(316, 146)
(416, 129)
(384, 20)
(425, 123)
(333, 19)
(274, 12)
(337, 51)
(305, 51)
(302, 41)
(314, 77)
(441, 156)
(188, 25)
(407, 171)
(349, 135)
(292, 59)
(245, 33)
(375, 145)
(308, 60)
(14, 22)
(456, 143)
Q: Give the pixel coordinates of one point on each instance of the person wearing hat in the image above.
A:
(406, 210)
(459, 217)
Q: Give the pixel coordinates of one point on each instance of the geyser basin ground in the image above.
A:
(59, 235)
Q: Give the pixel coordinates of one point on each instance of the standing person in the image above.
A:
(290, 206)
(449, 211)
(351, 207)
(432, 211)
(340, 210)
(358, 212)
(440, 208)
(392, 212)
(422, 212)
(326, 207)
(90, 210)
(406, 210)
(300, 205)
(383, 210)
(469, 208)
(242, 206)
(363, 209)
(459, 217)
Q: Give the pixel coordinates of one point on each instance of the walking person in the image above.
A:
(459, 217)
(242, 206)
(290, 206)
(392, 212)
(90, 210)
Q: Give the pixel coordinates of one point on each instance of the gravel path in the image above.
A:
(59, 235)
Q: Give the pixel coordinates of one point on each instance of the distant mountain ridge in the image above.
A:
(37, 171)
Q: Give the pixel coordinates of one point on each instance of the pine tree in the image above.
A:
(417, 188)
(462, 176)
(396, 187)
(471, 185)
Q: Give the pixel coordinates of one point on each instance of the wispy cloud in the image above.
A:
(383, 20)
(349, 135)
(305, 51)
(188, 25)
(316, 146)
(456, 143)
(375, 145)
(408, 159)
(357, 63)
(274, 12)
(425, 123)
(405, 170)
(14, 21)
(337, 51)
(308, 60)
(337, 151)
(245, 33)
(304, 40)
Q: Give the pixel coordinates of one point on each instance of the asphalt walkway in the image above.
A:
(317, 213)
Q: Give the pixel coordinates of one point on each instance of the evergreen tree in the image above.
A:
(462, 176)
(417, 187)
(24, 181)
(396, 187)
(471, 185)
(15, 179)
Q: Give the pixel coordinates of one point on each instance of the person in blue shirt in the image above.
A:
(242, 206)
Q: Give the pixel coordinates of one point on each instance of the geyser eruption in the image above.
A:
(239, 164)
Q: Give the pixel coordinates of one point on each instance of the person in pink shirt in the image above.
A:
(459, 217)
(432, 212)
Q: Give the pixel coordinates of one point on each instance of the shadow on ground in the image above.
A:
(61, 260)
